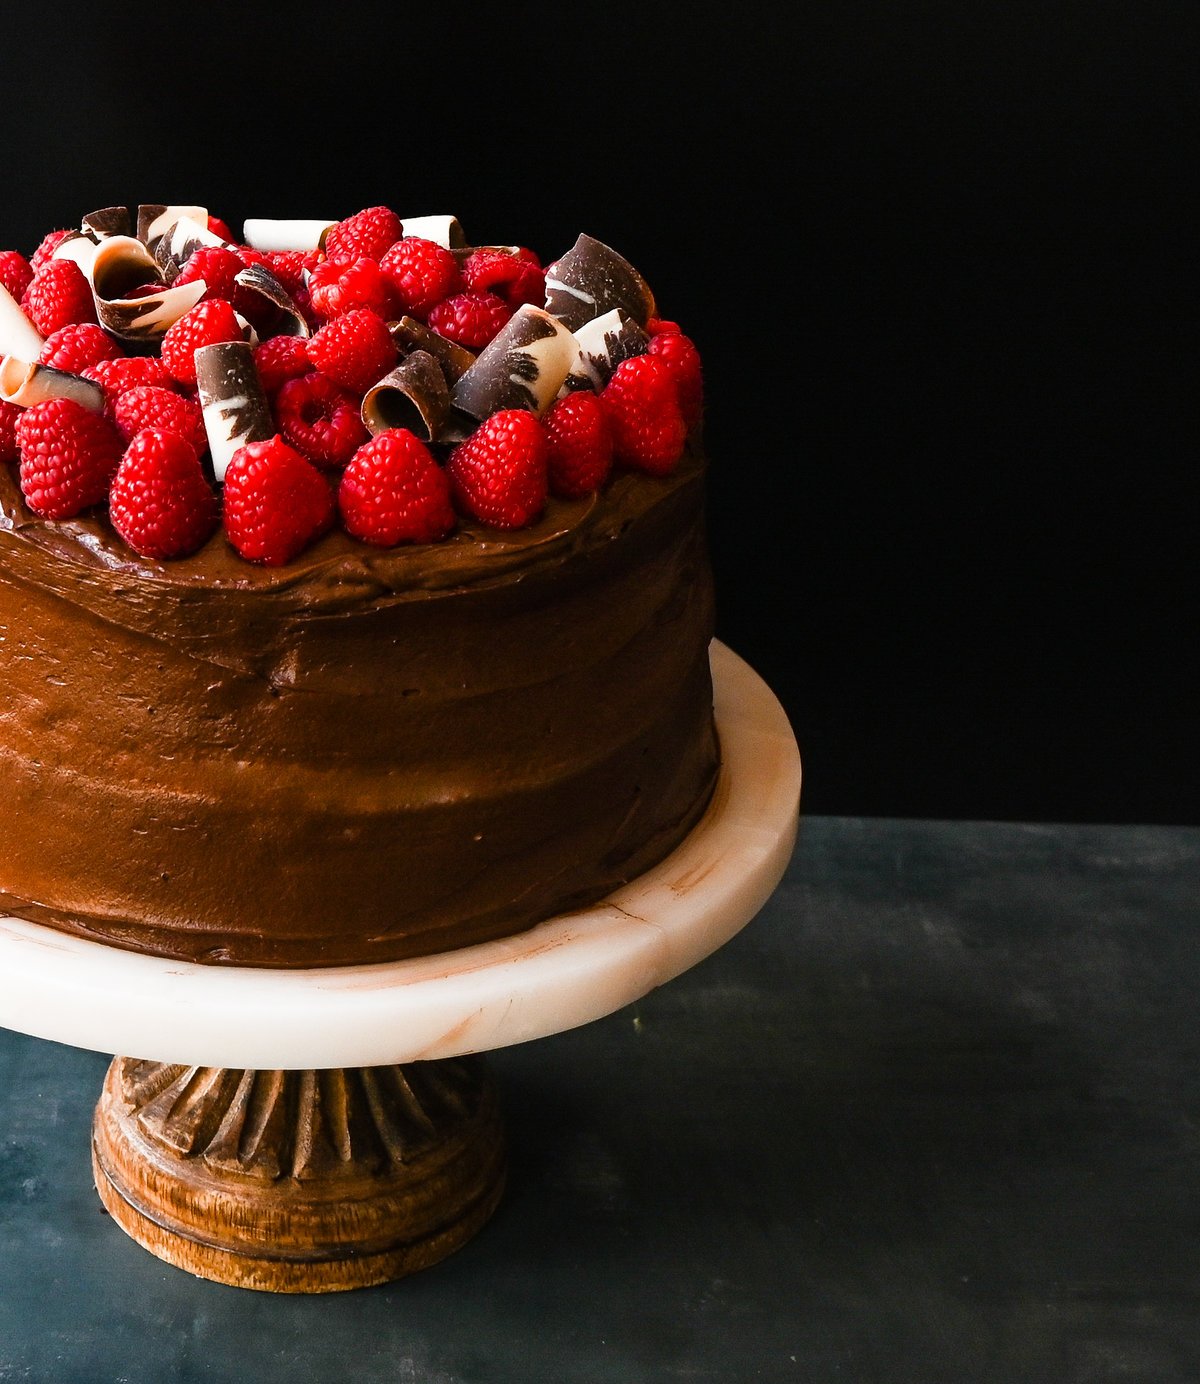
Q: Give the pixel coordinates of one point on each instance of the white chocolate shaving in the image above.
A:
(266, 234)
(79, 249)
(25, 385)
(18, 336)
(442, 230)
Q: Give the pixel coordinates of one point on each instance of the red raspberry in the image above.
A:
(470, 319)
(368, 233)
(394, 492)
(320, 420)
(643, 411)
(498, 475)
(68, 456)
(160, 502)
(10, 416)
(276, 503)
(45, 251)
(678, 353)
(509, 276)
(117, 376)
(221, 228)
(658, 326)
(164, 411)
(204, 325)
(279, 359)
(581, 449)
(339, 286)
(288, 266)
(217, 267)
(58, 296)
(421, 273)
(16, 273)
(75, 348)
(354, 350)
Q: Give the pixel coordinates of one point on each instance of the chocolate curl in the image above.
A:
(411, 335)
(107, 221)
(25, 385)
(590, 280)
(18, 336)
(260, 280)
(604, 343)
(442, 230)
(122, 263)
(231, 396)
(155, 220)
(266, 234)
(524, 367)
(413, 396)
(79, 248)
(173, 249)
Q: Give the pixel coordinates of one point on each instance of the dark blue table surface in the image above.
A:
(935, 1115)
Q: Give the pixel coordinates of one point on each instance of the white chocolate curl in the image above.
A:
(442, 230)
(263, 234)
(18, 336)
(25, 385)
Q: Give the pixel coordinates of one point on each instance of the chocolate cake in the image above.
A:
(368, 750)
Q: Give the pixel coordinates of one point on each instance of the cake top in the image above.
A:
(166, 389)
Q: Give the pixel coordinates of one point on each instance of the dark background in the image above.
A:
(934, 257)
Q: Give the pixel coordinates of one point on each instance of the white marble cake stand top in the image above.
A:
(559, 974)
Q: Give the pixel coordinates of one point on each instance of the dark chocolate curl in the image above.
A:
(604, 343)
(413, 396)
(231, 396)
(411, 335)
(121, 264)
(523, 367)
(592, 279)
(260, 280)
(108, 221)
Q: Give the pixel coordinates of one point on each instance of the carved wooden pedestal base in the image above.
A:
(299, 1182)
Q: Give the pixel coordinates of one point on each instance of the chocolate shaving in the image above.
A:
(235, 407)
(265, 233)
(604, 343)
(523, 367)
(154, 220)
(18, 336)
(592, 279)
(259, 279)
(442, 230)
(107, 221)
(122, 264)
(413, 396)
(411, 335)
(173, 250)
(25, 385)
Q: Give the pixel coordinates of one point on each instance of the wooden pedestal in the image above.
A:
(299, 1182)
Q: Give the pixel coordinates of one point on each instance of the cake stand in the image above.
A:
(317, 1130)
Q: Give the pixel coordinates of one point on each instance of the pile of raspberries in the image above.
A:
(144, 457)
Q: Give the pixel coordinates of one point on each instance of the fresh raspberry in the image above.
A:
(276, 503)
(68, 457)
(216, 266)
(10, 416)
(354, 350)
(289, 266)
(45, 251)
(16, 273)
(164, 411)
(204, 325)
(679, 354)
(339, 286)
(117, 376)
(320, 419)
(221, 228)
(160, 502)
(394, 492)
(660, 326)
(498, 475)
(643, 411)
(369, 233)
(470, 319)
(507, 275)
(58, 296)
(581, 449)
(421, 273)
(279, 359)
(75, 348)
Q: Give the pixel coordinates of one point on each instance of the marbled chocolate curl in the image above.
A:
(122, 263)
(155, 220)
(590, 280)
(18, 336)
(80, 248)
(604, 343)
(259, 279)
(265, 234)
(442, 230)
(25, 385)
(523, 367)
(107, 221)
(413, 396)
(231, 396)
(173, 249)
(411, 335)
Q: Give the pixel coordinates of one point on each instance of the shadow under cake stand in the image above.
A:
(317, 1130)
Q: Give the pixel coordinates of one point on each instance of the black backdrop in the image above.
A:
(934, 256)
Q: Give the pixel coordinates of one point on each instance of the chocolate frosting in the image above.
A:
(364, 755)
